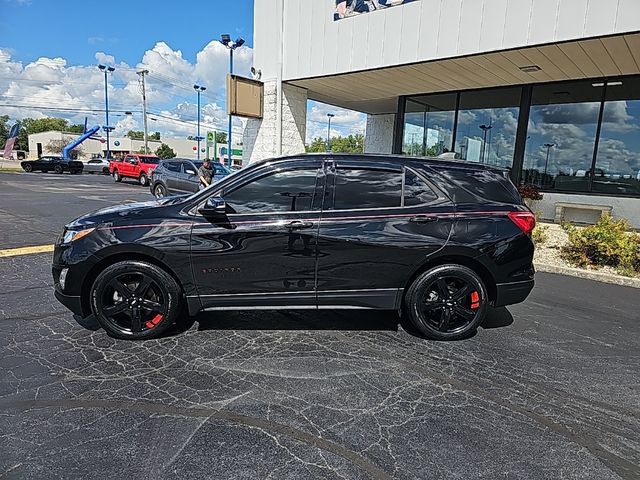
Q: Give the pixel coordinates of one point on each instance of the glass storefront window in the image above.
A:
(428, 124)
(561, 135)
(487, 125)
(617, 167)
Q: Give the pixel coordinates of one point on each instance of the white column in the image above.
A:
(379, 135)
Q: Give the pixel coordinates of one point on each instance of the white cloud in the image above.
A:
(38, 88)
(345, 122)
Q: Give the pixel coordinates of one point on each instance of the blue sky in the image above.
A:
(49, 51)
(75, 29)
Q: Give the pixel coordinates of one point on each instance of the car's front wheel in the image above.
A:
(58, 169)
(159, 191)
(447, 302)
(116, 176)
(135, 300)
(144, 181)
(28, 167)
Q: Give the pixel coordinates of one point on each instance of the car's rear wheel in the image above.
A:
(116, 176)
(144, 181)
(447, 302)
(135, 300)
(58, 169)
(159, 191)
(28, 167)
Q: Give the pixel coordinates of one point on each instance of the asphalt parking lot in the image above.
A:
(547, 389)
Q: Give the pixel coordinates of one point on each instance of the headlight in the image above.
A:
(73, 235)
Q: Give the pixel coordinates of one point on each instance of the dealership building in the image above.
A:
(549, 89)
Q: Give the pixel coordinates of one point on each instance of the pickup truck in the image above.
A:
(134, 165)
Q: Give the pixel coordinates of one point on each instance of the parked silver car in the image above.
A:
(97, 165)
(180, 175)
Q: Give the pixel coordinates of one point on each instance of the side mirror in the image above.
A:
(190, 172)
(214, 206)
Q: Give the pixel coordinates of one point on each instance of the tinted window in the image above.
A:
(172, 166)
(359, 188)
(278, 192)
(95, 161)
(150, 160)
(220, 170)
(416, 191)
(189, 167)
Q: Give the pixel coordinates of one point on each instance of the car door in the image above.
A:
(380, 222)
(171, 173)
(188, 177)
(262, 252)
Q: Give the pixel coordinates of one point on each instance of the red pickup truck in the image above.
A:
(134, 165)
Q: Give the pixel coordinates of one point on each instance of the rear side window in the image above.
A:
(416, 191)
(362, 188)
(489, 185)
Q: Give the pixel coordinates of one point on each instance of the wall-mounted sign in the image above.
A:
(351, 8)
(244, 97)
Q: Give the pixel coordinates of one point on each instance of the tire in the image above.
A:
(144, 180)
(447, 302)
(28, 168)
(58, 169)
(135, 300)
(105, 171)
(116, 176)
(159, 191)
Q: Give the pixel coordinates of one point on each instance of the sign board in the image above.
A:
(244, 97)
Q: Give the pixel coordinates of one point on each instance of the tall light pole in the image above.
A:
(199, 89)
(142, 73)
(546, 162)
(225, 39)
(330, 116)
(485, 129)
(107, 128)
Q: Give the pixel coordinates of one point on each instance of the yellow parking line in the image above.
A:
(12, 252)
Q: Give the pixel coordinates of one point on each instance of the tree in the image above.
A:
(221, 137)
(154, 136)
(135, 134)
(165, 151)
(56, 146)
(317, 145)
(37, 125)
(4, 130)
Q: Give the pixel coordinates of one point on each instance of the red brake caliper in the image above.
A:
(154, 321)
(475, 300)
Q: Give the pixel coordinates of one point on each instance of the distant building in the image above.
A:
(119, 146)
(549, 89)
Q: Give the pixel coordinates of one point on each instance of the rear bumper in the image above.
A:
(511, 293)
(72, 302)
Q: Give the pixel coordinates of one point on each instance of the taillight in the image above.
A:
(526, 221)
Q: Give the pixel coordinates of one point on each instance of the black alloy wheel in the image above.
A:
(58, 169)
(135, 300)
(28, 167)
(116, 176)
(159, 191)
(143, 179)
(447, 302)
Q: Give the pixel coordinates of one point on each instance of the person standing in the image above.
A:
(205, 174)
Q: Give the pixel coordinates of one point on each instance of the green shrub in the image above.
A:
(539, 234)
(607, 243)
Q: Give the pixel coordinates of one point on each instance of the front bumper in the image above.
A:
(72, 302)
(514, 292)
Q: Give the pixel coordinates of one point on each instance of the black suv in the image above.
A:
(438, 240)
(180, 175)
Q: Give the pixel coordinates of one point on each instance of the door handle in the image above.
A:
(423, 219)
(299, 225)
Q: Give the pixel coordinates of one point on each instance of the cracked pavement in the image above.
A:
(546, 389)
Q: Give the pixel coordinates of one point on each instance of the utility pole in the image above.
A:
(142, 73)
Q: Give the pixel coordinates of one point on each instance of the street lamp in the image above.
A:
(106, 128)
(225, 39)
(330, 116)
(546, 162)
(485, 129)
(199, 89)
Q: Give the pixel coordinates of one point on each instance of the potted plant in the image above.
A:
(530, 194)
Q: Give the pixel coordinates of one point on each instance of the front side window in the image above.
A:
(362, 188)
(172, 166)
(286, 191)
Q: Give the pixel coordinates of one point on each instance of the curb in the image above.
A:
(588, 274)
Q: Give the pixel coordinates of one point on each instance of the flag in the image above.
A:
(11, 140)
